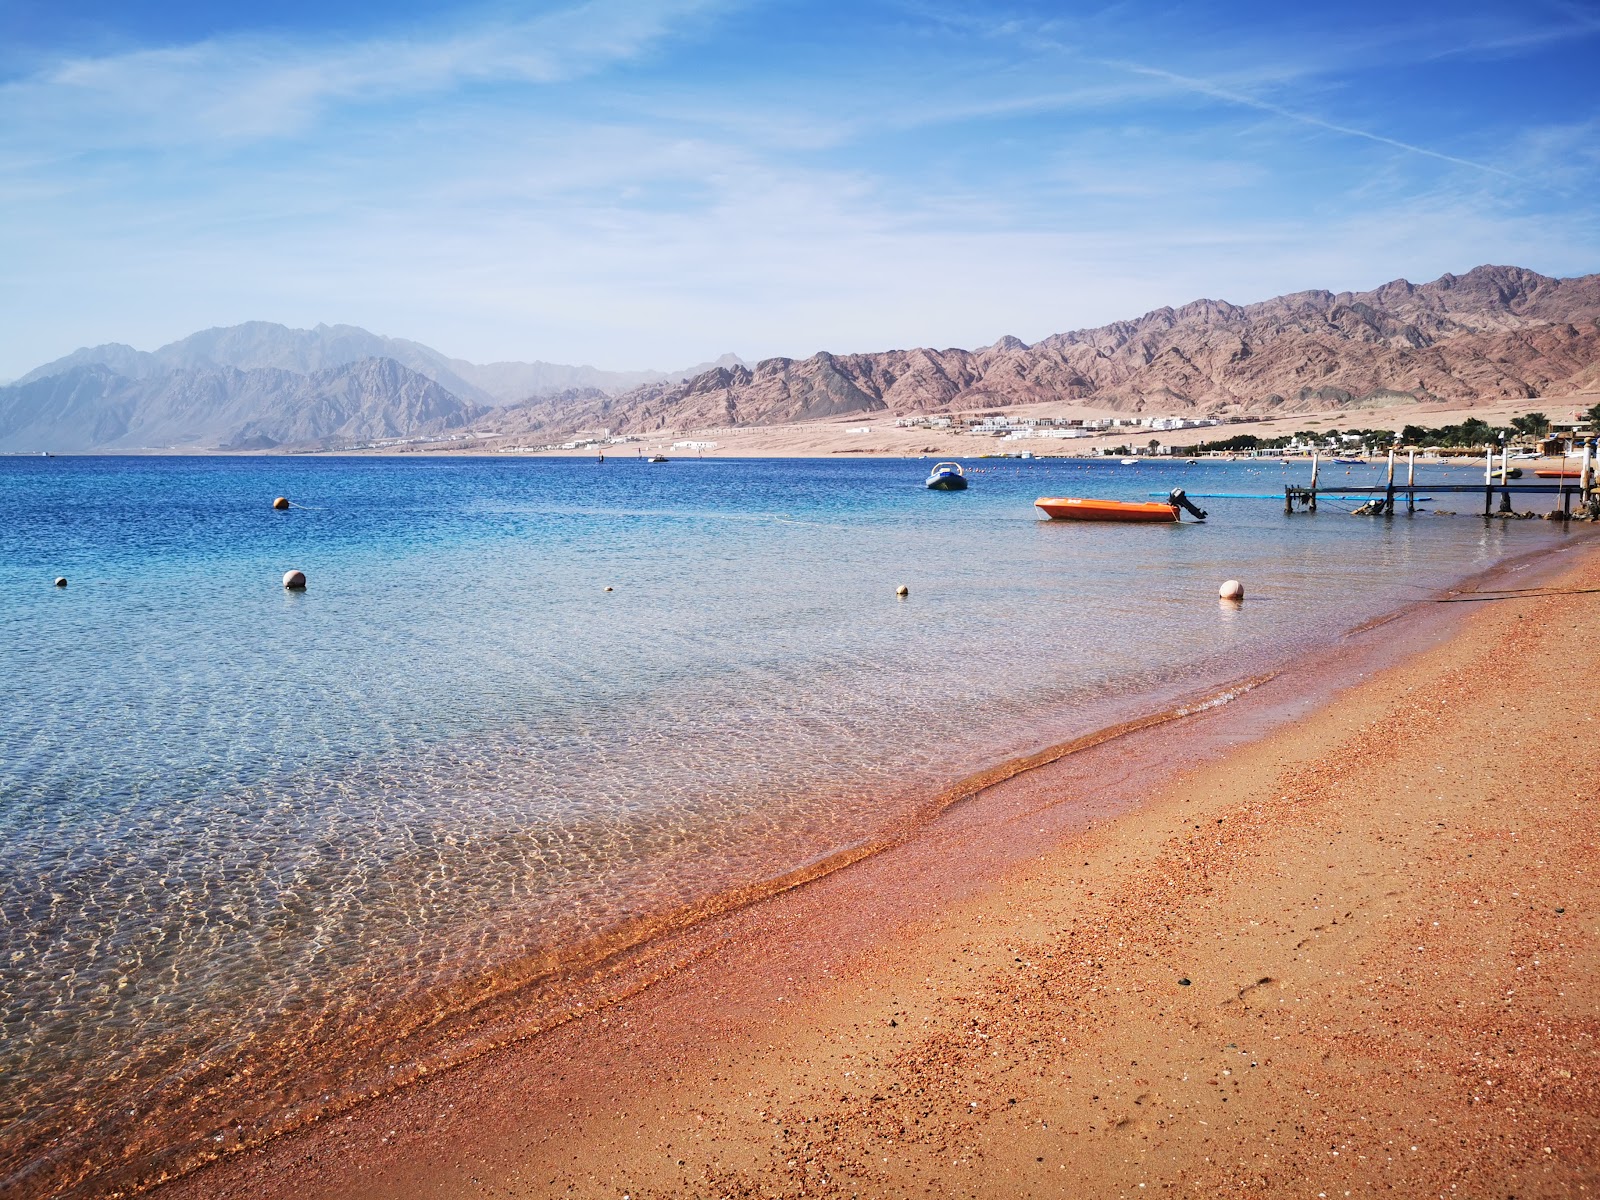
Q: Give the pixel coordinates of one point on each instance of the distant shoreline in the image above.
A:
(834, 438)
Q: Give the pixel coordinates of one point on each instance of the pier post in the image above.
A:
(1313, 504)
(1505, 477)
(1411, 481)
(1488, 479)
(1388, 493)
(1586, 477)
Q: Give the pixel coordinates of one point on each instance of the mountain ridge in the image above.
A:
(1491, 334)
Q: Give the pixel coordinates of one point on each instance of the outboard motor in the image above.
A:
(1178, 497)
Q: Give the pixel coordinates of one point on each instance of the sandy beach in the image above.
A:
(1338, 937)
(662, 600)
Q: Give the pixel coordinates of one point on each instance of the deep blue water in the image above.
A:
(240, 825)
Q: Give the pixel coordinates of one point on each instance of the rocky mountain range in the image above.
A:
(1491, 334)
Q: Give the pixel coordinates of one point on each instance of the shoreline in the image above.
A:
(877, 907)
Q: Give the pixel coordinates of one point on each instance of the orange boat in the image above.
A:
(1079, 508)
(1558, 473)
(1073, 508)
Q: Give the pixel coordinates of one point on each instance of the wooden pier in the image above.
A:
(1579, 490)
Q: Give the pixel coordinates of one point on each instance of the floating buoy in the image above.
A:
(902, 590)
(295, 581)
(1231, 590)
(281, 503)
(608, 587)
(61, 581)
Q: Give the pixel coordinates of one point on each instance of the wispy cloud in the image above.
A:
(651, 182)
(247, 87)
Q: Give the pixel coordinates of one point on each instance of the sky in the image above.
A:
(651, 183)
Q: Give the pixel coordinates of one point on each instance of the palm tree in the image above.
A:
(1535, 425)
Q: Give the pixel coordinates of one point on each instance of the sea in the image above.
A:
(264, 852)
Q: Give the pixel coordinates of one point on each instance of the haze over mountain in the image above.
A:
(265, 344)
(260, 385)
(91, 407)
(1491, 334)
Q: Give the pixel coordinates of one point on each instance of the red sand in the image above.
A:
(1356, 955)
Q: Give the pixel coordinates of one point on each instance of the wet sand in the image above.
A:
(1338, 937)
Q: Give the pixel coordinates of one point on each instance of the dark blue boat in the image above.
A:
(947, 477)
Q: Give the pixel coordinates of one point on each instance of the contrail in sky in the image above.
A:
(1220, 93)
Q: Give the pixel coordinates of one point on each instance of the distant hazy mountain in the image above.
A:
(260, 385)
(511, 382)
(265, 344)
(1491, 334)
(91, 407)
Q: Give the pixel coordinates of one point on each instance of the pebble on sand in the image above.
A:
(295, 581)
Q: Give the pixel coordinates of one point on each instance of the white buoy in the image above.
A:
(902, 590)
(1231, 590)
(608, 587)
(61, 581)
(295, 581)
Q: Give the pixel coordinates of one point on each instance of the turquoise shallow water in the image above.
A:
(251, 837)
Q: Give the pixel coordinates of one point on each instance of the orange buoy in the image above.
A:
(281, 503)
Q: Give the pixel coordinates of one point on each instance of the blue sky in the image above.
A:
(638, 183)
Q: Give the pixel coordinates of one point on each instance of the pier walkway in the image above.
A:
(1577, 489)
